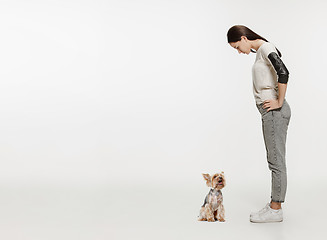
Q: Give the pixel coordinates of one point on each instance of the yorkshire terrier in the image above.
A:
(213, 208)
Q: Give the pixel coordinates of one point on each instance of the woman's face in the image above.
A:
(242, 46)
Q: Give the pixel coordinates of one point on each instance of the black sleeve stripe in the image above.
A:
(279, 66)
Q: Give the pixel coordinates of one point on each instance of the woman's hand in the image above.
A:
(271, 104)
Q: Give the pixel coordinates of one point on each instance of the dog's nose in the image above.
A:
(220, 178)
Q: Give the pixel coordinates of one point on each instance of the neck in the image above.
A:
(257, 43)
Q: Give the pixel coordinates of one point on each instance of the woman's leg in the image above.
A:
(274, 126)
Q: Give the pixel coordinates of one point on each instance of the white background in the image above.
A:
(111, 110)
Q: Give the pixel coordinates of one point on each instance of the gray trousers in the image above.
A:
(274, 128)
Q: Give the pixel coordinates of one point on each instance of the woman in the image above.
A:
(270, 77)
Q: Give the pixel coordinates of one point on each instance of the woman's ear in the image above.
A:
(246, 40)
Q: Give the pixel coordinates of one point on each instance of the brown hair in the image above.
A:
(235, 33)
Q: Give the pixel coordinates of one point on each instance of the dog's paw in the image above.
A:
(221, 220)
(201, 219)
(211, 220)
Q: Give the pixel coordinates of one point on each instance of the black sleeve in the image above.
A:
(279, 66)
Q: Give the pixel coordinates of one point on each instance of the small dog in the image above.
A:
(213, 208)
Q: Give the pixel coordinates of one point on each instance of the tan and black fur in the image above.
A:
(213, 208)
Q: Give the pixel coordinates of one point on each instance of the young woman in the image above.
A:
(270, 77)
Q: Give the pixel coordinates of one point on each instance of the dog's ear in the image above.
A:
(207, 178)
(223, 173)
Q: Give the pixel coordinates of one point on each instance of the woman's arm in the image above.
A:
(274, 104)
(281, 93)
(283, 74)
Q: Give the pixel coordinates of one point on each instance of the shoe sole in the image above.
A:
(271, 221)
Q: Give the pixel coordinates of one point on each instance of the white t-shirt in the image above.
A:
(264, 76)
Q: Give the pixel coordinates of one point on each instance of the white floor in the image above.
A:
(154, 212)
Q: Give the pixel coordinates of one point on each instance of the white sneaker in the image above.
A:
(262, 210)
(268, 215)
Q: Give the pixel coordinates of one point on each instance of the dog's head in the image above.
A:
(216, 181)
